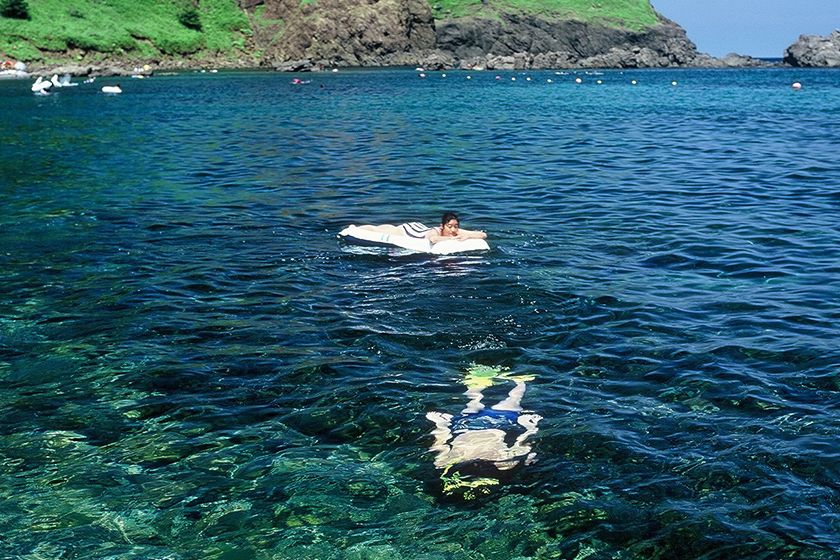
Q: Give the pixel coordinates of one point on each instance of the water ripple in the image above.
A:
(192, 361)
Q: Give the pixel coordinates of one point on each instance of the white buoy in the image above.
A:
(548, 80)
(422, 75)
(443, 75)
(633, 82)
(796, 85)
(528, 79)
(599, 82)
(469, 77)
(673, 83)
(513, 78)
(578, 81)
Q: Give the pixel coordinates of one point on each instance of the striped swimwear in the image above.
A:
(486, 419)
(415, 230)
(489, 419)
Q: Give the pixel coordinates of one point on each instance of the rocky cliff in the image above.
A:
(814, 50)
(314, 34)
(343, 33)
(403, 32)
(540, 43)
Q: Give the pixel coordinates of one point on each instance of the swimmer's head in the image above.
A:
(449, 224)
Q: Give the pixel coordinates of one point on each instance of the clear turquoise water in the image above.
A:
(192, 365)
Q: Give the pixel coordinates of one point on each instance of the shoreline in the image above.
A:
(147, 69)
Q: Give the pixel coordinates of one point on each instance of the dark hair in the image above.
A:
(449, 216)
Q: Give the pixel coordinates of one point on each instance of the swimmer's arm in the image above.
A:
(468, 234)
(529, 422)
(442, 433)
(433, 235)
(463, 234)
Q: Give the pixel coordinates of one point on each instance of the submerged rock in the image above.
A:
(731, 60)
(815, 51)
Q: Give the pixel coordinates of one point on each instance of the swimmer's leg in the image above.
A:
(474, 405)
(384, 228)
(513, 399)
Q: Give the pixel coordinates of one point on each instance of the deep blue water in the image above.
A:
(193, 367)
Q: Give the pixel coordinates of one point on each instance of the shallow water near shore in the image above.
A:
(193, 366)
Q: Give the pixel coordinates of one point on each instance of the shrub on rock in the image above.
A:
(16, 9)
(189, 19)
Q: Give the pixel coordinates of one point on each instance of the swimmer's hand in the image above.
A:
(439, 418)
(529, 421)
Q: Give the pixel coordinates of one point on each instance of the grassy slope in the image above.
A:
(146, 28)
(633, 14)
(117, 27)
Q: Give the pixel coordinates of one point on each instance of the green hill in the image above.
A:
(631, 14)
(114, 28)
(99, 30)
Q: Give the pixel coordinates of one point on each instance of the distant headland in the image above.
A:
(139, 36)
(815, 51)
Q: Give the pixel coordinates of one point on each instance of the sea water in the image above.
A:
(193, 366)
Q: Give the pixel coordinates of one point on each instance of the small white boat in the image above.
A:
(41, 86)
(112, 89)
(64, 81)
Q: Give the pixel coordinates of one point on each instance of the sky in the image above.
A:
(758, 28)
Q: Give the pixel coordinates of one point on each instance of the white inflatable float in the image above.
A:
(354, 234)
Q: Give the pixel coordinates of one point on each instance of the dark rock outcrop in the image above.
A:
(815, 51)
(339, 33)
(96, 70)
(732, 60)
(551, 44)
(326, 33)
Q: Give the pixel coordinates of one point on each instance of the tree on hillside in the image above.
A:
(17, 9)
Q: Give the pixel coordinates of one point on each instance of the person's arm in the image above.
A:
(467, 234)
(463, 234)
(442, 431)
(529, 422)
(434, 235)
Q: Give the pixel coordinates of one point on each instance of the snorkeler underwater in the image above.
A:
(480, 447)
